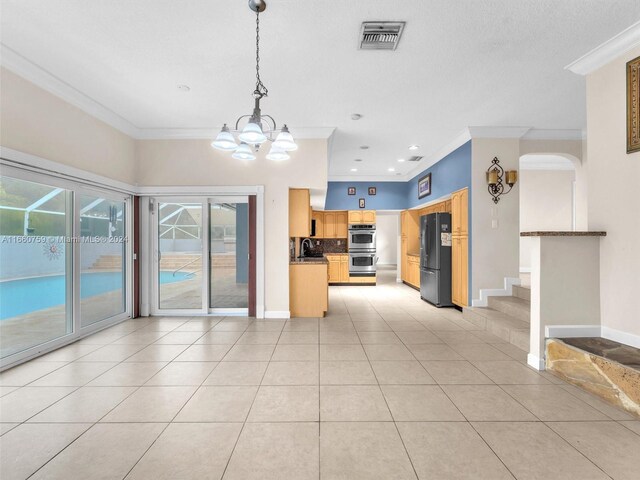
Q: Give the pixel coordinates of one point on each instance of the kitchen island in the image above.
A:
(308, 287)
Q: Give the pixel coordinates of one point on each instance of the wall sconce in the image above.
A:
(495, 176)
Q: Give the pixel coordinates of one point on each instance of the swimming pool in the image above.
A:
(31, 294)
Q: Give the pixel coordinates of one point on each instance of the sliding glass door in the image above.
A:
(179, 255)
(63, 251)
(228, 252)
(102, 258)
(35, 266)
(202, 255)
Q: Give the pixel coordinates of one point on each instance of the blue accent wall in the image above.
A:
(389, 196)
(451, 173)
(242, 242)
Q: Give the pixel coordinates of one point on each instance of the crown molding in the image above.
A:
(608, 51)
(210, 133)
(35, 74)
(367, 178)
(559, 134)
(498, 132)
(19, 65)
(545, 162)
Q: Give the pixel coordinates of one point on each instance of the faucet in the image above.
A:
(302, 246)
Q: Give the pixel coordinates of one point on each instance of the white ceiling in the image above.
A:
(458, 64)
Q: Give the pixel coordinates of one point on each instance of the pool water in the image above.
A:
(31, 294)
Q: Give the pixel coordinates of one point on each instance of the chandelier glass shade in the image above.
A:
(244, 152)
(245, 141)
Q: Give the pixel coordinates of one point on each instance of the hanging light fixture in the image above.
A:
(259, 128)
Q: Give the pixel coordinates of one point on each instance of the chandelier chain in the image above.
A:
(260, 88)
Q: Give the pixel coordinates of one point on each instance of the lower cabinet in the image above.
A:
(308, 290)
(459, 270)
(338, 268)
(413, 271)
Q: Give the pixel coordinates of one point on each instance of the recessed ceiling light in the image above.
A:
(358, 160)
(391, 169)
(354, 169)
(401, 160)
(364, 147)
(356, 116)
(414, 147)
(184, 88)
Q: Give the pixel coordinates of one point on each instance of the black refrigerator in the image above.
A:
(435, 259)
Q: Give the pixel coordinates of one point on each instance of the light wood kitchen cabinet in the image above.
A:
(355, 216)
(460, 212)
(319, 218)
(344, 268)
(338, 268)
(413, 273)
(405, 260)
(299, 212)
(369, 216)
(308, 289)
(334, 268)
(459, 270)
(335, 224)
(341, 225)
(362, 216)
(329, 225)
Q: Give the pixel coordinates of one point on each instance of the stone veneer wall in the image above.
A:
(615, 383)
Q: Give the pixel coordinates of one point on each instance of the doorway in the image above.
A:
(204, 255)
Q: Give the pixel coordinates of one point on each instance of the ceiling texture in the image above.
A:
(458, 64)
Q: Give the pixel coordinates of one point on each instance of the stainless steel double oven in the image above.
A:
(362, 250)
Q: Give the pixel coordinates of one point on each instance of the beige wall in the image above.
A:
(495, 248)
(36, 122)
(546, 203)
(614, 200)
(195, 163)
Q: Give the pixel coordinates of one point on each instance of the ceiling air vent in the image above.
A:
(415, 158)
(380, 35)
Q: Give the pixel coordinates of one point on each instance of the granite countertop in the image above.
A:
(563, 234)
(308, 261)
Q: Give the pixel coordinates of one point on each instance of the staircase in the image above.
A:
(505, 317)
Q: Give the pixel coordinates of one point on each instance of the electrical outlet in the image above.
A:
(494, 223)
(339, 242)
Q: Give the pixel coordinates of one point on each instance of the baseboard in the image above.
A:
(620, 336)
(277, 314)
(572, 331)
(535, 362)
(485, 293)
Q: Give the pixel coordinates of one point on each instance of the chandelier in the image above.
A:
(260, 128)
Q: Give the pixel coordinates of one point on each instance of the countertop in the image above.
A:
(413, 254)
(308, 261)
(563, 234)
(336, 254)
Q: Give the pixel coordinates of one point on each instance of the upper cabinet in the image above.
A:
(362, 216)
(341, 225)
(330, 224)
(319, 218)
(299, 212)
(460, 212)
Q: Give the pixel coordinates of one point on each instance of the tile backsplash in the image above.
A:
(329, 245)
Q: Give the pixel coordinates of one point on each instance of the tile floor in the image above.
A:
(384, 387)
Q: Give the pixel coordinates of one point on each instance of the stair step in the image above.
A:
(500, 324)
(522, 292)
(513, 306)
